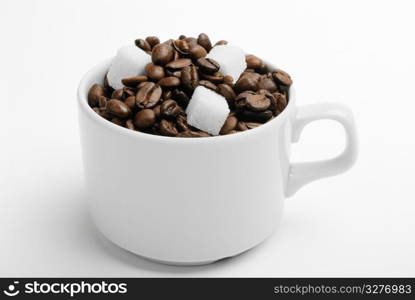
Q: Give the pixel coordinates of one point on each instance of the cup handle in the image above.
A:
(305, 172)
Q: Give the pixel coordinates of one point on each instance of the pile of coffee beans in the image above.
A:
(155, 103)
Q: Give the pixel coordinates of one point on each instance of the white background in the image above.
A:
(361, 53)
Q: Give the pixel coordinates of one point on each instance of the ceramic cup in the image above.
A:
(197, 200)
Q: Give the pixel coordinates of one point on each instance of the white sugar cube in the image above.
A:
(207, 110)
(130, 61)
(230, 58)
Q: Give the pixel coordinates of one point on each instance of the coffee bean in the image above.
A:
(228, 80)
(253, 62)
(152, 41)
(118, 108)
(129, 91)
(170, 109)
(134, 81)
(204, 41)
(156, 110)
(247, 82)
(162, 54)
(229, 125)
(129, 124)
(191, 41)
(279, 103)
(181, 97)
(179, 63)
(221, 42)
(267, 83)
(105, 114)
(208, 65)
(145, 118)
(148, 95)
(257, 102)
(102, 102)
(169, 82)
(96, 109)
(181, 46)
(182, 37)
(130, 102)
(154, 72)
(167, 94)
(118, 121)
(252, 116)
(197, 52)
(190, 77)
(282, 77)
(216, 77)
(143, 44)
(208, 84)
(227, 92)
(169, 42)
(181, 123)
(193, 134)
(167, 128)
(94, 93)
(118, 94)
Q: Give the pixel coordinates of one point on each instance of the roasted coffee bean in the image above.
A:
(208, 84)
(182, 37)
(102, 102)
(169, 42)
(228, 80)
(247, 82)
(170, 109)
(190, 77)
(118, 121)
(197, 52)
(130, 102)
(129, 91)
(204, 41)
(191, 41)
(154, 72)
(143, 44)
(134, 81)
(282, 77)
(177, 74)
(181, 46)
(179, 63)
(169, 82)
(167, 94)
(94, 93)
(105, 114)
(263, 69)
(144, 118)
(208, 65)
(254, 116)
(242, 126)
(152, 41)
(181, 97)
(156, 110)
(253, 62)
(118, 108)
(129, 124)
(148, 95)
(221, 42)
(230, 124)
(267, 83)
(181, 123)
(162, 54)
(118, 94)
(107, 86)
(176, 54)
(279, 103)
(227, 92)
(193, 134)
(167, 128)
(216, 77)
(258, 102)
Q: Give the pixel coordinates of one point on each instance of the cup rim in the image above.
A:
(83, 89)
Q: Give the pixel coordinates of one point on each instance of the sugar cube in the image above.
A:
(207, 110)
(230, 58)
(130, 61)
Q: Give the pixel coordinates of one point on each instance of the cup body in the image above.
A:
(184, 200)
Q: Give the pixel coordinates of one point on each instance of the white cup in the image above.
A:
(198, 200)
